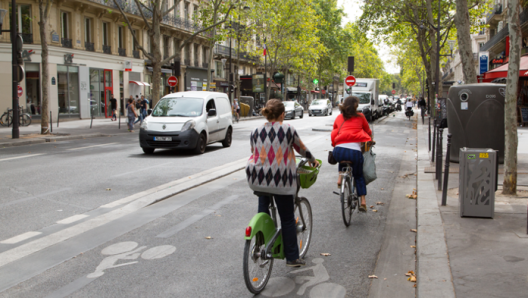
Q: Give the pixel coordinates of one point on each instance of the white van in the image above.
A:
(188, 120)
(367, 90)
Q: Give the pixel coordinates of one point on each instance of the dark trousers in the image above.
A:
(285, 207)
(355, 156)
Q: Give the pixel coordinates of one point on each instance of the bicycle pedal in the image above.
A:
(336, 193)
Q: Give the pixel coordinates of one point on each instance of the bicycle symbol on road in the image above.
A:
(280, 286)
(127, 251)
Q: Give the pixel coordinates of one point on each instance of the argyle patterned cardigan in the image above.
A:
(272, 167)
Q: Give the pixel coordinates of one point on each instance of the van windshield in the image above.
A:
(319, 102)
(178, 107)
(364, 98)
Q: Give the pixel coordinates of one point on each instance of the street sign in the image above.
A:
(393, 91)
(350, 81)
(20, 91)
(172, 81)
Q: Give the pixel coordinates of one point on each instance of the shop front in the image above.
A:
(101, 91)
(68, 90)
(33, 101)
(195, 79)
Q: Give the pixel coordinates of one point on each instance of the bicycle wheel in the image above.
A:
(3, 119)
(25, 120)
(303, 213)
(346, 202)
(256, 270)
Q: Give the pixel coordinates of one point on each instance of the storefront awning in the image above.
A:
(291, 89)
(139, 83)
(502, 71)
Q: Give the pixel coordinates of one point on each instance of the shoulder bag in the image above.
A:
(331, 158)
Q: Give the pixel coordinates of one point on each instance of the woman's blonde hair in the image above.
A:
(273, 109)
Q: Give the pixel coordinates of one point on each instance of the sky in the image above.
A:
(353, 12)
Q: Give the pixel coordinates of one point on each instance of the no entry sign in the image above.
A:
(393, 91)
(20, 91)
(172, 81)
(350, 81)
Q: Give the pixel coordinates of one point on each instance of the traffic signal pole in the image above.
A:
(14, 86)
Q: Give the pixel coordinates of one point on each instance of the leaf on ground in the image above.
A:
(412, 278)
(108, 189)
(413, 246)
(380, 203)
(382, 188)
(218, 215)
(414, 230)
(374, 210)
(325, 254)
(385, 279)
(409, 273)
(372, 276)
(371, 206)
(208, 237)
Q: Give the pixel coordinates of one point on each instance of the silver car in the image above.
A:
(292, 109)
(320, 107)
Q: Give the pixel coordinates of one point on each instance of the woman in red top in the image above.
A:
(350, 130)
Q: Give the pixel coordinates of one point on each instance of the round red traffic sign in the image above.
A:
(350, 81)
(20, 91)
(172, 81)
(393, 91)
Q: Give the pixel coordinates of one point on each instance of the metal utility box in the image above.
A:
(475, 113)
(477, 182)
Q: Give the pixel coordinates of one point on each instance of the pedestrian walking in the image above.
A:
(131, 114)
(113, 106)
(139, 113)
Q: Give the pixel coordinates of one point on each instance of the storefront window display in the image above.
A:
(32, 88)
(68, 89)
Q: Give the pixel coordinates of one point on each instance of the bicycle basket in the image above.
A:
(308, 175)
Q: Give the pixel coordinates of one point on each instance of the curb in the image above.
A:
(41, 140)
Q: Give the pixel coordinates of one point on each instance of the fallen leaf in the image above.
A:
(413, 246)
(412, 278)
(409, 273)
(371, 206)
(108, 189)
(385, 279)
(372, 276)
(218, 215)
(414, 286)
(414, 230)
(382, 188)
(208, 237)
(325, 254)
(380, 203)
(374, 210)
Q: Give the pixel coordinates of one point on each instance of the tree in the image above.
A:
(44, 13)
(157, 11)
(509, 185)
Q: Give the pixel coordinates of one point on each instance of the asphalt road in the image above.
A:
(191, 244)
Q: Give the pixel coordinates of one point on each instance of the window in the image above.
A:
(121, 37)
(166, 47)
(105, 34)
(136, 48)
(88, 30)
(186, 11)
(481, 44)
(65, 28)
(177, 47)
(23, 19)
(219, 71)
(177, 8)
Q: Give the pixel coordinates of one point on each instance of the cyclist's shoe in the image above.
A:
(296, 263)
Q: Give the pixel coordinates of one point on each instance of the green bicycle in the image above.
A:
(264, 236)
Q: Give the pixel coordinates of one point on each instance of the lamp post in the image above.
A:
(15, 134)
(224, 60)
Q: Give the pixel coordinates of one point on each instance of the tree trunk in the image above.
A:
(433, 54)
(210, 65)
(156, 62)
(510, 114)
(44, 122)
(464, 41)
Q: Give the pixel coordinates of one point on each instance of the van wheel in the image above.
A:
(229, 137)
(200, 145)
(302, 115)
(147, 150)
(331, 112)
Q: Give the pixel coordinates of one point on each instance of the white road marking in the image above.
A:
(20, 237)
(24, 156)
(71, 219)
(91, 146)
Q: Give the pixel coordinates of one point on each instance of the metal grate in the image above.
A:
(122, 52)
(107, 49)
(66, 43)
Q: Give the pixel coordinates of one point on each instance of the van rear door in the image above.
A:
(224, 116)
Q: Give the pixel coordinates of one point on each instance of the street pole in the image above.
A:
(15, 134)
(265, 72)
(229, 73)
(437, 55)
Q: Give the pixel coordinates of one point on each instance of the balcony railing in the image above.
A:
(205, 64)
(121, 52)
(89, 46)
(497, 9)
(66, 43)
(187, 62)
(196, 63)
(223, 50)
(136, 54)
(107, 49)
(27, 37)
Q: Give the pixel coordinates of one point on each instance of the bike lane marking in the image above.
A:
(78, 148)
(20, 237)
(23, 156)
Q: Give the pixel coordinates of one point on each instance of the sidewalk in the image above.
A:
(470, 257)
(70, 129)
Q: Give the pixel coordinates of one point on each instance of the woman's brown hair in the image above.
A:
(349, 107)
(273, 109)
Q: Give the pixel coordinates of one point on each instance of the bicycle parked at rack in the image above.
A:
(7, 118)
(264, 235)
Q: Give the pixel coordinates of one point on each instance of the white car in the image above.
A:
(320, 107)
(188, 120)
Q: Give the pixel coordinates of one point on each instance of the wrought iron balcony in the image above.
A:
(497, 10)
(89, 46)
(121, 52)
(66, 43)
(136, 54)
(107, 49)
(196, 62)
(187, 62)
(205, 64)
(28, 38)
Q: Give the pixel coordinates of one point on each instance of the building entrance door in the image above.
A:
(108, 91)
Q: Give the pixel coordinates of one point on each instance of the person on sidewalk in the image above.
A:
(113, 106)
(139, 108)
(350, 130)
(131, 114)
(284, 139)
(236, 109)
(144, 106)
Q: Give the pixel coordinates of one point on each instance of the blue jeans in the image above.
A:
(140, 117)
(345, 154)
(285, 207)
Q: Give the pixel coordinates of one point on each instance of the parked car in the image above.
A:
(320, 107)
(188, 120)
(293, 109)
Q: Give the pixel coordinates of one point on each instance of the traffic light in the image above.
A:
(315, 81)
(176, 68)
(393, 86)
(348, 91)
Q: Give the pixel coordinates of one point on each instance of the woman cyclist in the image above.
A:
(350, 130)
(272, 169)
